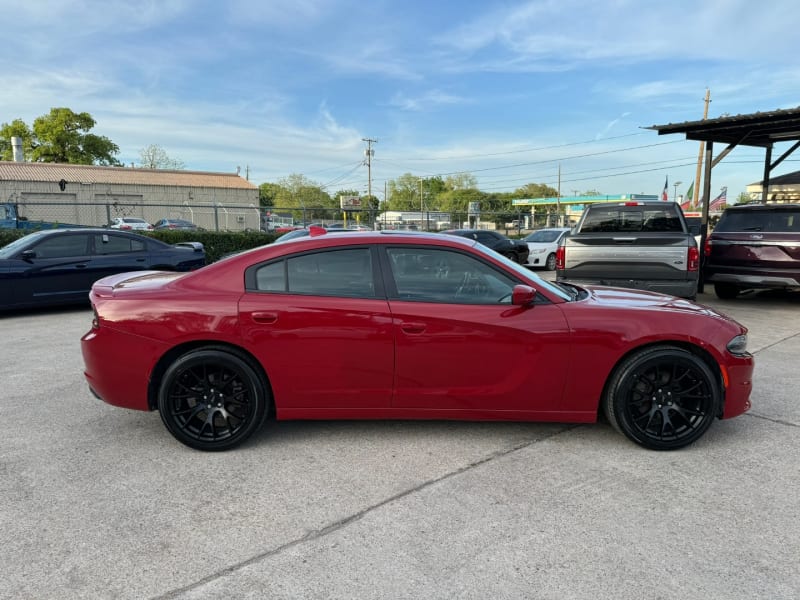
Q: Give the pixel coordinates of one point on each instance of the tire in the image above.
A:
(212, 399)
(550, 263)
(726, 291)
(662, 398)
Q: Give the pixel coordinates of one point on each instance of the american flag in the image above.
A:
(720, 201)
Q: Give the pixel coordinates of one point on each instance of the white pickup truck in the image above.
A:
(642, 245)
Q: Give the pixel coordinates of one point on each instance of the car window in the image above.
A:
(637, 218)
(543, 236)
(771, 221)
(105, 243)
(485, 237)
(346, 273)
(439, 275)
(62, 246)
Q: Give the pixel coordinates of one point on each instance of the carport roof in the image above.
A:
(755, 129)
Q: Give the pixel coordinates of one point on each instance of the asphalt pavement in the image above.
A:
(101, 502)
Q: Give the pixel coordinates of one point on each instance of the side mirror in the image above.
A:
(28, 254)
(523, 295)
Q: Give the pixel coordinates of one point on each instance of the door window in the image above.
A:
(116, 244)
(434, 275)
(63, 246)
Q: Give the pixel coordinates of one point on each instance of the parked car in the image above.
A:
(130, 224)
(391, 325)
(754, 246)
(59, 266)
(542, 245)
(175, 224)
(516, 250)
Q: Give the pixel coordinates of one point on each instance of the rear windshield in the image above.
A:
(760, 220)
(630, 218)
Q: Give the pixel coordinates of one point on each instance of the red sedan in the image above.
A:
(406, 326)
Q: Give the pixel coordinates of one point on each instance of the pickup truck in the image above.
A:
(10, 219)
(642, 245)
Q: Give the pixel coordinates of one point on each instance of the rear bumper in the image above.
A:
(754, 280)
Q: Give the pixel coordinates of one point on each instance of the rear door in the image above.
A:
(320, 325)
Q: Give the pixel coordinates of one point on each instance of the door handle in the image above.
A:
(264, 317)
(81, 266)
(412, 327)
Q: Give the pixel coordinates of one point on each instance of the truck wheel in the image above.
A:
(726, 291)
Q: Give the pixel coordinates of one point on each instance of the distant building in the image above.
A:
(92, 195)
(783, 188)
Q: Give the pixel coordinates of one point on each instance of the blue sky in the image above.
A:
(509, 91)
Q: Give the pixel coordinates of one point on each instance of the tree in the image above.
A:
(536, 190)
(267, 192)
(461, 181)
(299, 192)
(404, 193)
(63, 137)
(155, 157)
(17, 128)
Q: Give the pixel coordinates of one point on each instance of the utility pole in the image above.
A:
(369, 153)
(696, 188)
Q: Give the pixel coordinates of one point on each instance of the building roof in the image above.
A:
(787, 179)
(754, 129)
(50, 172)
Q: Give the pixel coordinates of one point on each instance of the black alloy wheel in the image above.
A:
(211, 399)
(662, 398)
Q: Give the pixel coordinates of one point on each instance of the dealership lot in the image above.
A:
(99, 502)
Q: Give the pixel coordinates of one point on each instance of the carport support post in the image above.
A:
(216, 217)
(108, 213)
(767, 169)
(706, 198)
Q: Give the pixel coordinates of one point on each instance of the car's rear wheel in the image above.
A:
(212, 399)
(550, 264)
(726, 291)
(662, 398)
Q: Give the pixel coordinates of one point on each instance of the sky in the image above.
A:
(512, 92)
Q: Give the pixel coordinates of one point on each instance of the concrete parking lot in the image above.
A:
(100, 502)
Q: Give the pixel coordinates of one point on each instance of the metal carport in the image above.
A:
(761, 129)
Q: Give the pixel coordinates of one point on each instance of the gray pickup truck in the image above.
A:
(642, 245)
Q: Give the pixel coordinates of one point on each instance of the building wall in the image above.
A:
(96, 203)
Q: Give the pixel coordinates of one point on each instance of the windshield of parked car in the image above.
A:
(543, 236)
(9, 250)
(540, 283)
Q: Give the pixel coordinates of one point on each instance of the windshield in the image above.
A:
(9, 250)
(526, 273)
(544, 236)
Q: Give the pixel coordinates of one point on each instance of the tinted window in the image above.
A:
(434, 275)
(116, 244)
(346, 273)
(760, 220)
(631, 218)
(59, 246)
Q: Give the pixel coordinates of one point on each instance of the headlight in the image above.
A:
(738, 345)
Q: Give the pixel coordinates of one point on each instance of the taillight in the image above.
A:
(560, 258)
(693, 262)
(707, 248)
(125, 227)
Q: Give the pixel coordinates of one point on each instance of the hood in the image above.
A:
(626, 298)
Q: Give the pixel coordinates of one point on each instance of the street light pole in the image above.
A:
(675, 191)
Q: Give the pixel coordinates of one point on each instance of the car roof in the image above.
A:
(761, 206)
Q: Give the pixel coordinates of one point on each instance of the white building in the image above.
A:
(92, 195)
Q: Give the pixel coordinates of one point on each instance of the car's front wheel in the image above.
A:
(212, 399)
(662, 398)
